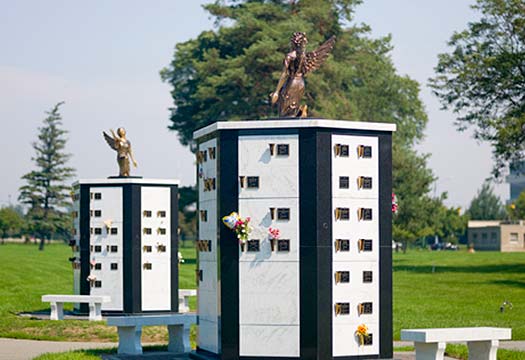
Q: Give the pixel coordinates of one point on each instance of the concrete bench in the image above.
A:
(130, 331)
(482, 342)
(57, 304)
(184, 299)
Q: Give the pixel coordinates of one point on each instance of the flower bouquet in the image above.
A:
(395, 207)
(361, 333)
(91, 278)
(240, 226)
(274, 236)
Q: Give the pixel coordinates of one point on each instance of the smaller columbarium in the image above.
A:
(125, 243)
(313, 280)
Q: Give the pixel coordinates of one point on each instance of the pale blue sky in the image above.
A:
(103, 58)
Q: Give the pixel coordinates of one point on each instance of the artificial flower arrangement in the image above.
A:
(91, 278)
(395, 207)
(240, 226)
(361, 332)
(274, 236)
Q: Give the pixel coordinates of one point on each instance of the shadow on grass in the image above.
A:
(515, 283)
(500, 268)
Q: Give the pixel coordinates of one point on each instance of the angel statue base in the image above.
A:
(122, 146)
(297, 64)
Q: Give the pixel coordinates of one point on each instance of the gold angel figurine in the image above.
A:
(297, 64)
(122, 146)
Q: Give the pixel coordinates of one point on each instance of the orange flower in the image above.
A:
(362, 329)
(361, 332)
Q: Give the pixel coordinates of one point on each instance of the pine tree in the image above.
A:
(486, 205)
(45, 191)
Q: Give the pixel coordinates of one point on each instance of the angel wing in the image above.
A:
(314, 59)
(111, 142)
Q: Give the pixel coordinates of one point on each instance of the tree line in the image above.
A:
(227, 73)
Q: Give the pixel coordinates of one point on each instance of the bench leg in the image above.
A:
(179, 339)
(430, 351)
(95, 312)
(184, 304)
(483, 350)
(57, 311)
(129, 340)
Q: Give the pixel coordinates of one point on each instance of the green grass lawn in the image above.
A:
(27, 274)
(464, 290)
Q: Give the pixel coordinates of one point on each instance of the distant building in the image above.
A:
(497, 235)
(516, 179)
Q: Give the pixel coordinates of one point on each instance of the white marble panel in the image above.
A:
(264, 340)
(209, 276)
(346, 343)
(269, 277)
(353, 167)
(278, 175)
(261, 221)
(110, 204)
(356, 291)
(156, 286)
(269, 309)
(155, 199)
(112, 283)
(353, 161)
(76, 286)
(208, 305)
(208, 336)
(208, 229)
(354, 229)
(269, 293)
(354, 192)
(206, 170)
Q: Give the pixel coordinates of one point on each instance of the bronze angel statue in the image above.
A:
(122, 146)
(297, 64)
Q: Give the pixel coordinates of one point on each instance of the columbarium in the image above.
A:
(295, 244)
(125, 238)
(125, 243)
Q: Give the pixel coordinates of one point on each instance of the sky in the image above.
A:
(102, 58)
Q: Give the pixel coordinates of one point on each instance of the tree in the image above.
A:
(229, 73)
(483, 79)
(45, 192)
(412, 182)
(516, 210)
(11, 222)
(449, 224)
(187, 212)
(486, 205)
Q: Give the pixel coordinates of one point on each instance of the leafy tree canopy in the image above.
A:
(482, 79)
(228, 73)
(45, 191)
(517, 208)
(486, 205)
(11, 222)
(412, 182)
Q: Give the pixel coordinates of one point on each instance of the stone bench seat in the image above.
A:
(130, 331)
(57, 304)
(482, 342)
